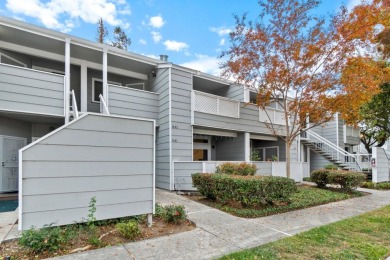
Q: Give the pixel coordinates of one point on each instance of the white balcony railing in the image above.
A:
(277, 116)
(216, 105)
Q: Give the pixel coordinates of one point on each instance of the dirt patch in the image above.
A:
(80, 239)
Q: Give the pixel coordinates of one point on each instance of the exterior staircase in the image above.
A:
(336, 155)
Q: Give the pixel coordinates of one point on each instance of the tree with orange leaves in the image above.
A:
(294, 58)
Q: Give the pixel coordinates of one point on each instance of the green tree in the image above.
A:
(121, 41)
(375, 122)
(102, 32)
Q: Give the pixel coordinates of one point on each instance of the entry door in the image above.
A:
(9, 154)
(202, 148)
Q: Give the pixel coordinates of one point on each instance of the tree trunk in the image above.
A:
(288, 159)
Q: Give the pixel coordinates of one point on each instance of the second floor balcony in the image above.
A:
(214, 111)
(30, 91)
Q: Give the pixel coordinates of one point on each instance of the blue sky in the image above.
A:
(191, 32)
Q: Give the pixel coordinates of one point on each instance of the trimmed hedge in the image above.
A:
(243, 168)
(320, 177)
(377, 186)
(250, 191)
(204, 184)
(348, 180)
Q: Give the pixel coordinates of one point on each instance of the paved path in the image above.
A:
(7, 222)
(218, 233)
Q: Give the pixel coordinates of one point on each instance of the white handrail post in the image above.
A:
(103, 106)
(74, 106)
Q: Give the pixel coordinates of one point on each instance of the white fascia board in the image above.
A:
(263, 137)
(213, 132)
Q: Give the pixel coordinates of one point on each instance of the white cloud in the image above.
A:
(151, 56)
(222, 42)
(156, 21)
(142, 41)
(175, 45)
(205, 64)
(352, 3)
(221, 31)
(156, 36)
(52, 13)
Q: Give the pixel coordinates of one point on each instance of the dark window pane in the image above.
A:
(98, 90)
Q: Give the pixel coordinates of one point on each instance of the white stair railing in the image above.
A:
(103, 106)
(335, 152)
(75, 110)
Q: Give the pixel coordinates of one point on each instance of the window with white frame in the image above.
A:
(268, 153)
(140, 86)
(97, 88)
(11, 61)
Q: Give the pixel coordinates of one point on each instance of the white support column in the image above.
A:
(105, 86)
(247, 137)
(83, 86)
(299, 156)
(246, 94)
(67, 79)
(337, 134)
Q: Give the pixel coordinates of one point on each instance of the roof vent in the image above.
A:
(164, 58)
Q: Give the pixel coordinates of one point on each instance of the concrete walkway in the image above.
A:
(218, 233)
(7, 223)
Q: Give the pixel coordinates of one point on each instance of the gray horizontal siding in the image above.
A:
(133, 103)
(181, 116)
(183, 172)
(161, 86)
(248, 121)
(108, 157)
(31, 91)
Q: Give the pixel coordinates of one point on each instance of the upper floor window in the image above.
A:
(97, 88)
(11, 61)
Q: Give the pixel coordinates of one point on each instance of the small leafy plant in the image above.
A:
(129, 229)
(93, 238)
(174, 214)
(45, 239)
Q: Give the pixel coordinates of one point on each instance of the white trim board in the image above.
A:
(213, 132)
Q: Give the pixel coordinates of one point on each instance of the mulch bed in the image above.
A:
(159, 228)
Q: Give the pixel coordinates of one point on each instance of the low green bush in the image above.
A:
(204, 184)
(243, 168)
(44, 239)
(306, 179)
(129, 229)
(320, 177)
(250, 191)
(348, 180)
(174, 214)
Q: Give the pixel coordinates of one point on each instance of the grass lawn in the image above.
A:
(363, 237)
(306, 196)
